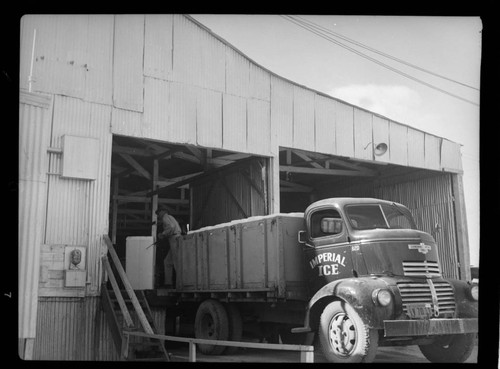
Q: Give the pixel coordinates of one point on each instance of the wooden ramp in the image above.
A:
(128, 310)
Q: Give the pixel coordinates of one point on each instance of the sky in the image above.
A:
(446, 46)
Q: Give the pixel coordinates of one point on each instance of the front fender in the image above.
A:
(466, 307)
(358, 293)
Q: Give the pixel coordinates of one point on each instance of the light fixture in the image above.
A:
(378, 150)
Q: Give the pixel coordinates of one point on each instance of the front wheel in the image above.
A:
(449, 349)
(211, 323)
(344, 337)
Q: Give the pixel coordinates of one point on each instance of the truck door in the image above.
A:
(327, 251)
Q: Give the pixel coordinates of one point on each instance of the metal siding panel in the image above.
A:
(234, 123)
(126, 122)
(303, 119)
(325, 124)
(99, 195)
(432, 152)
(260, 83)
(182, 127)
(99, 81)
(128, 62)
(259, 133)
(398, 142)
(282, 111)
(34, 133)
(363, 138)
(416, 148)
(237, 74)
(213, 62)
(381, 135)
(450, 156)
(209, 119)
(186, 66)
(344, 126)
(156, 123)
(158, 46)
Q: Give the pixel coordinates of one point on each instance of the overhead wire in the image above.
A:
(336, 34)
(359, 53)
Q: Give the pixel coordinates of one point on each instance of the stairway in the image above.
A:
(128, 310)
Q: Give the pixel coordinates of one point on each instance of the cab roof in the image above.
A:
(340, 202)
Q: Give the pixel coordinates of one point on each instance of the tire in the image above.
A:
(450, 349)
(211, 323)
(344, 337)
(235, 327)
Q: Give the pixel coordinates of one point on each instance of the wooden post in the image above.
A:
(154, 200)
(115, 210)
(307, 356)
(192, 352)
(461, 227)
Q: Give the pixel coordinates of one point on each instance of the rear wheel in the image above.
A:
(344, 337)
(211, 323)
(449, 349)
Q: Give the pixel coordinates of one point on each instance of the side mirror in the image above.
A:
(302, 237)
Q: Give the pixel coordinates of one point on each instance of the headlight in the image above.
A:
(474, 292)
(381, 297)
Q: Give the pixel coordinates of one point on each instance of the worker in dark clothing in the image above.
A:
(169, 230)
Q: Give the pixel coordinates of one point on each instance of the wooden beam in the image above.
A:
(252, 183)
(187, 157)
(228, 189)
(330, 172)
(136, 165)
(122, 198)
(308, 160)
(131, 151)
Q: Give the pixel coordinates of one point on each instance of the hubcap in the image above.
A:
(342, 334)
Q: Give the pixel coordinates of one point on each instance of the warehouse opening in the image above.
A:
(198, 186)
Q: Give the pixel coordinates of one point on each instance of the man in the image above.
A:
(169, 230)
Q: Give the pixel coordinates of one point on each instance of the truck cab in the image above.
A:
(375, 279)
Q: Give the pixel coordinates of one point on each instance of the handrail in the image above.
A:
(307, 351)
(128, 287)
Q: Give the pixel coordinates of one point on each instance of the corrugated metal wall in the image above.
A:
(429, 198)
(430, 201)
(34, 126)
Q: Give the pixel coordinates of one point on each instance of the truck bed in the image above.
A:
(258, 254)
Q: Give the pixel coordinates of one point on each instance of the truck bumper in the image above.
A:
(429, 327)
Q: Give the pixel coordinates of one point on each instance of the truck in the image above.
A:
(348, 275)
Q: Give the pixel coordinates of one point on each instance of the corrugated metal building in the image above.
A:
(119, 113)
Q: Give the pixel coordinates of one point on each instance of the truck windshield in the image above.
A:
(379, 216)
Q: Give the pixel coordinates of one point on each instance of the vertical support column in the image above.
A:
(192, 352)
(115, 210)
(461, 226)
(154, 200)
(274, 184)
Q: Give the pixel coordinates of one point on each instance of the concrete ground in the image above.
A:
(404, 354)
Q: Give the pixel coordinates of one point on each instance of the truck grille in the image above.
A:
(429, 292)
(428, 269)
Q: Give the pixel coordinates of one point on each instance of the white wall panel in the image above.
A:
(416, 148)
(303, 119)
(260, 83)
(237, 74)
(234, 123)
(99, 75)
(187, 66)
(432, 152)
(126, 122)
(158, 46)
(344, 124)
(363, 145)
(451, 159)
(282, 111)
(258, 127)
(325, 124)
(212, 62)
(182, 108)
(156, 120)
(128, 81)
(398, 142)
(209, 118)
(381, 135)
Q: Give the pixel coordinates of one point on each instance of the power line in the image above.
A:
(313, 30)
(317, 26)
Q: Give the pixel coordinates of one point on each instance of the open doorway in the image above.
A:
(198, 186)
